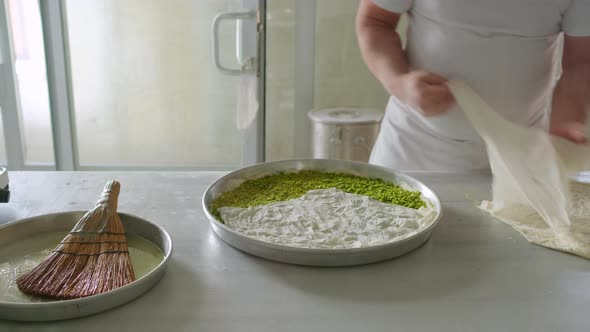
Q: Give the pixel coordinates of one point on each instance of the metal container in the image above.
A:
(319, 257)
(65, 309)
(344, 133)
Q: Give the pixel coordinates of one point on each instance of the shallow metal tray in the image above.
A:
(318, 257)
(65, 309)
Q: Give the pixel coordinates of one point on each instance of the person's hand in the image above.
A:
(573, 131)
(425, 92)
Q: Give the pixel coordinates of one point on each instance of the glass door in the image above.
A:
(150, 84)
(11, 138)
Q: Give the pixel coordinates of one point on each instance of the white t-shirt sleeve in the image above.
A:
(576, 19)
(397, 6)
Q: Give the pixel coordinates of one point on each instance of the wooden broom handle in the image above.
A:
(110, 195)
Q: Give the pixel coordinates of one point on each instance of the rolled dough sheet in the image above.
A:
(531, 187)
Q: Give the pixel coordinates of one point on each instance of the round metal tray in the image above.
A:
(65, 309)
(319, 257)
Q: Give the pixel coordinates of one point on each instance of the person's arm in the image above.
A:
(571, 98)
(382, 51)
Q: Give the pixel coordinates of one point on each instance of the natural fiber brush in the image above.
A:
(93, 258)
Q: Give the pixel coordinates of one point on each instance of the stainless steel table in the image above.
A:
(474, 274)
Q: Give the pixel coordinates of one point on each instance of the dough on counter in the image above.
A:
(531, 187)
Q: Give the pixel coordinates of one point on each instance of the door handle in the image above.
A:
(249, 64)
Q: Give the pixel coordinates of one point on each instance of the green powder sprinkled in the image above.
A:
(286, 186)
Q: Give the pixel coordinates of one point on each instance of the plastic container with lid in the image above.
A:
(344, 133)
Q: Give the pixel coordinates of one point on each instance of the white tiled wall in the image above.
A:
(280, 79)
(340, 77)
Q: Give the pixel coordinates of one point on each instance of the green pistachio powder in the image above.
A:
(286, 186)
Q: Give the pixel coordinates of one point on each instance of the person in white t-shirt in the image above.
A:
(529, 59)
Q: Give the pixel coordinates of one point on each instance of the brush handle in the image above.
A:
(110, 195)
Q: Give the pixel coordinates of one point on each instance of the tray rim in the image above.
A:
(38, 305)
(321, 251)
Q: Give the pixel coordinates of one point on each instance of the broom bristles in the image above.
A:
(93, 258)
